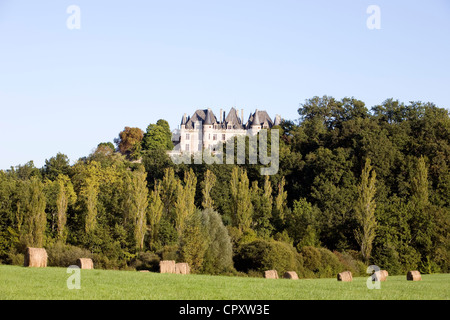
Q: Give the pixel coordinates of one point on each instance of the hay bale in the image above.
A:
(35, 257)
(290, 275)
(413, 276)
(345, 276)
(182, 268)
(271, 274)
(85, 263)
(380, 275)
(167, 266)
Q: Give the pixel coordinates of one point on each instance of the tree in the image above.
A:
(155, 211)
(193, 242)
(137, 203)
(219, 253)
(262, 207)
(56, 165)
(33, 202)
(301, 224)
(420, 184)
(129, 141)
(365, 210)
(280, 202)
(158, 136)
(207, 184)
(60, 194)
(184, 203)
(241, 204)
(169, 185)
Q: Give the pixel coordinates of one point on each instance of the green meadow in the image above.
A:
(51, 283)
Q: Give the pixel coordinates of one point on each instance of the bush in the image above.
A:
(146, 261)
(351, 263)
(261, 255)
(219, 253)
(64, 255)
(169, 253)
(321, 263)
(15, 259)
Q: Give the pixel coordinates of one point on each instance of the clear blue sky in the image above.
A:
(134, 62)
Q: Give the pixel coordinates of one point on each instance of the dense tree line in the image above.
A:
(355, 187)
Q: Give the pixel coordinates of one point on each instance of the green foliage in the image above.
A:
(56, 166)
(146, 261)
(261, 255)
(317, 199)
(158, 137)
(64, 255)
(194, 242)
(219, 253)
(321, 263)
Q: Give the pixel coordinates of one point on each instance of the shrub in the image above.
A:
(321, 263)
(351, 263)
(64, 255)
(15, 259)
(146, 261)
(169, 252)
(219, 253)
(261, 255)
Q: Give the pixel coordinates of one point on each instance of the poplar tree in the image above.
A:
(168, 194)
(138, 202)
(33, 202)
(281, 201)
(365, 211)
(242, 208)
(155, 211)
(207, 185)
(65, 196)
(185, 197)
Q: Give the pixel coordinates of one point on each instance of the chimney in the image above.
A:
(220, 115)
(242, 116)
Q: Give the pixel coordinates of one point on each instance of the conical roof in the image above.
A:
(209, 117)
(184, 120)
(256, 121)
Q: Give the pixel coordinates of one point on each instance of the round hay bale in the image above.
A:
(182, 268)
(35, 257)
(271, 274)
(85, 263)
(345, 276)
(413, 276)
(167, 266)
(290, 275)
(380, 275)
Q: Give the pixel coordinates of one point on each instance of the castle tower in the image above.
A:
(256, 124)
(208, 128)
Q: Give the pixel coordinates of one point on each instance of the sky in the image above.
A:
(133, 62)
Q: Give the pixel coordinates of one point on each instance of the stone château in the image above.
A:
(203, 130)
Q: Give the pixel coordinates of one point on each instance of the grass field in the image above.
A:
(51, 283)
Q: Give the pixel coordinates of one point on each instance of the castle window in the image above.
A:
(187, 147)
(223, 136)
(209, 136)
(214, 136)
(187, 136)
